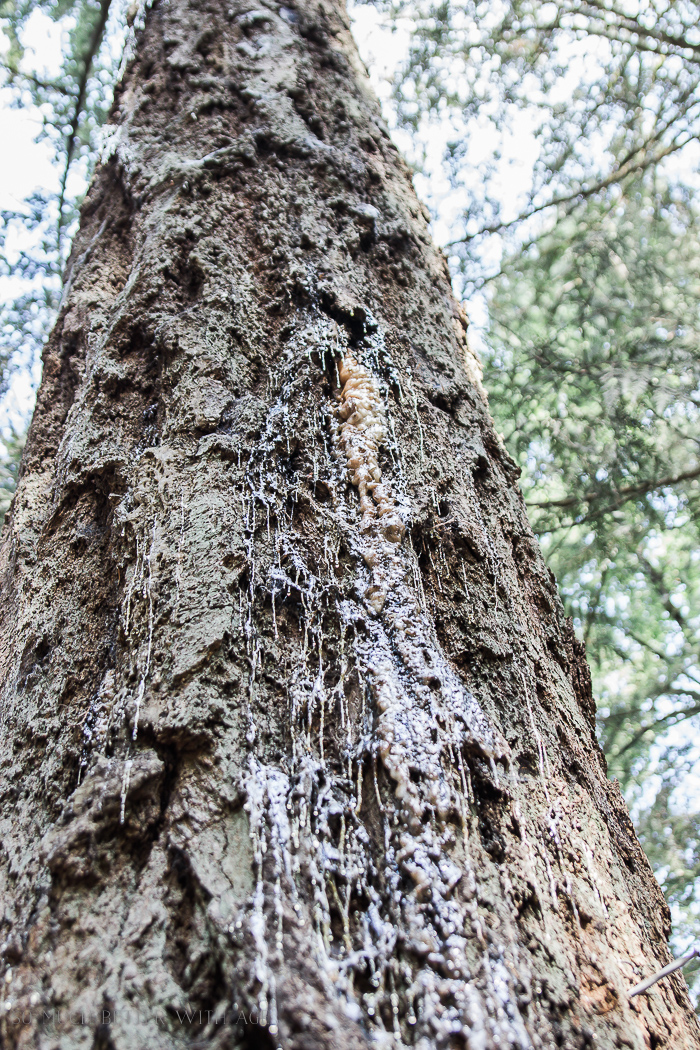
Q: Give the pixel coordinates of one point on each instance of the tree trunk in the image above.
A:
(298, 747)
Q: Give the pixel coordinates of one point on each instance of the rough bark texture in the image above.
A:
(294, 728)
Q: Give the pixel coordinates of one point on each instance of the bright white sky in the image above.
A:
(28, 164)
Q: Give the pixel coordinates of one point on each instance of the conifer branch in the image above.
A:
(583, 192)
(88, 59)
(44, 85)
(624, 494)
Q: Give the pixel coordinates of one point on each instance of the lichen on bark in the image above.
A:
(296, 737)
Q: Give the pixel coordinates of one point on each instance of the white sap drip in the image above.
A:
(545, 771)
(141, 583)
(423, 707)
(530, 866)
(397, 700)
(125, 788)
(148, 594)
(267, 791)
(136, 577)
(97, 722)
(590, 864)
(180, 544)
(424, 717)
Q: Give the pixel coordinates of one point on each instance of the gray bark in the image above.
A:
(295, 731)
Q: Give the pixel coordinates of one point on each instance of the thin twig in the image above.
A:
(683, 960)
(632, 25)
(625, 493)
(45, 85)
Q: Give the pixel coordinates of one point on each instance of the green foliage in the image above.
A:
(607, 96)
(672, 842)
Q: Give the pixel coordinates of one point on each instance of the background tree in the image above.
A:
(293, 719)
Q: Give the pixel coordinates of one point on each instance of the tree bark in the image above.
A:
(298, 747)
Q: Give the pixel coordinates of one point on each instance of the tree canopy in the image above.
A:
(585, 264)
